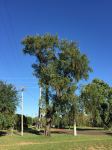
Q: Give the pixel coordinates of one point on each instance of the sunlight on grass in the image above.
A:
(56, 142)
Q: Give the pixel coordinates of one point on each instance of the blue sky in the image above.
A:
(89, 22)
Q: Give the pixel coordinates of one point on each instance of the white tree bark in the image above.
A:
(75, 131)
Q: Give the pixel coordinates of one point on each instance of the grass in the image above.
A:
(55, 142)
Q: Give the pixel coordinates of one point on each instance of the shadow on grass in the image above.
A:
(3, 133)
(89, 129)
(32, 131)
(109, 133)
(60, 132)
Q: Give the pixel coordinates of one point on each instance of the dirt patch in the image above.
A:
(91, 148)
(85, 132)
(37, 143)
(26, 143)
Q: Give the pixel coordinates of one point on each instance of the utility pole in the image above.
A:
(22, 90)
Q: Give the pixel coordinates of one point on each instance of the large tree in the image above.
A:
(59, 66)
(8, 103)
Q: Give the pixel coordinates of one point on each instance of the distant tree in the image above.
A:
(97, 99)
(29, 120)
(17, 122)
(106, 110)
(8, 104)
(59, 66)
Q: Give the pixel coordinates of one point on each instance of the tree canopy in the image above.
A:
(59, 66)
(97, 99)
(8, 103)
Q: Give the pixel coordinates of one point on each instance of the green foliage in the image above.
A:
(29, 120)
(59, 62)
(59, 66)
(97, 99)
(8, 103)
(17, 122)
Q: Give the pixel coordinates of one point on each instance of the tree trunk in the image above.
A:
(48, 114)
(74, 120)
(39, 120)
(11, 130)
(69, 126)
(75, 131)
(48, 127)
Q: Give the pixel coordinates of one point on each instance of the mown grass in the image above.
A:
(55, 142)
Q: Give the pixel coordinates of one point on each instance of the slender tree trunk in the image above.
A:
(74, 120)
(39, 120)
(69, 122)
(48, 114)
(75, 131)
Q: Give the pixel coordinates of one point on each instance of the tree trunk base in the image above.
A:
(47, 131)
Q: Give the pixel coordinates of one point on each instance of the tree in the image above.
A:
(59, 66)
(29, 120)
(105, 110)
(8, 104)
(97, 99)
(17, 122)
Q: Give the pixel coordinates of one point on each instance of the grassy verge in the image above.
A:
(55, 142)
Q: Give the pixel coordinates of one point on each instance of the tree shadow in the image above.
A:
(3, 133)
(33, 131)
(89, 129)
(60, 132)
(109, 133)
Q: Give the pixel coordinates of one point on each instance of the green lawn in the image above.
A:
(55, 142)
